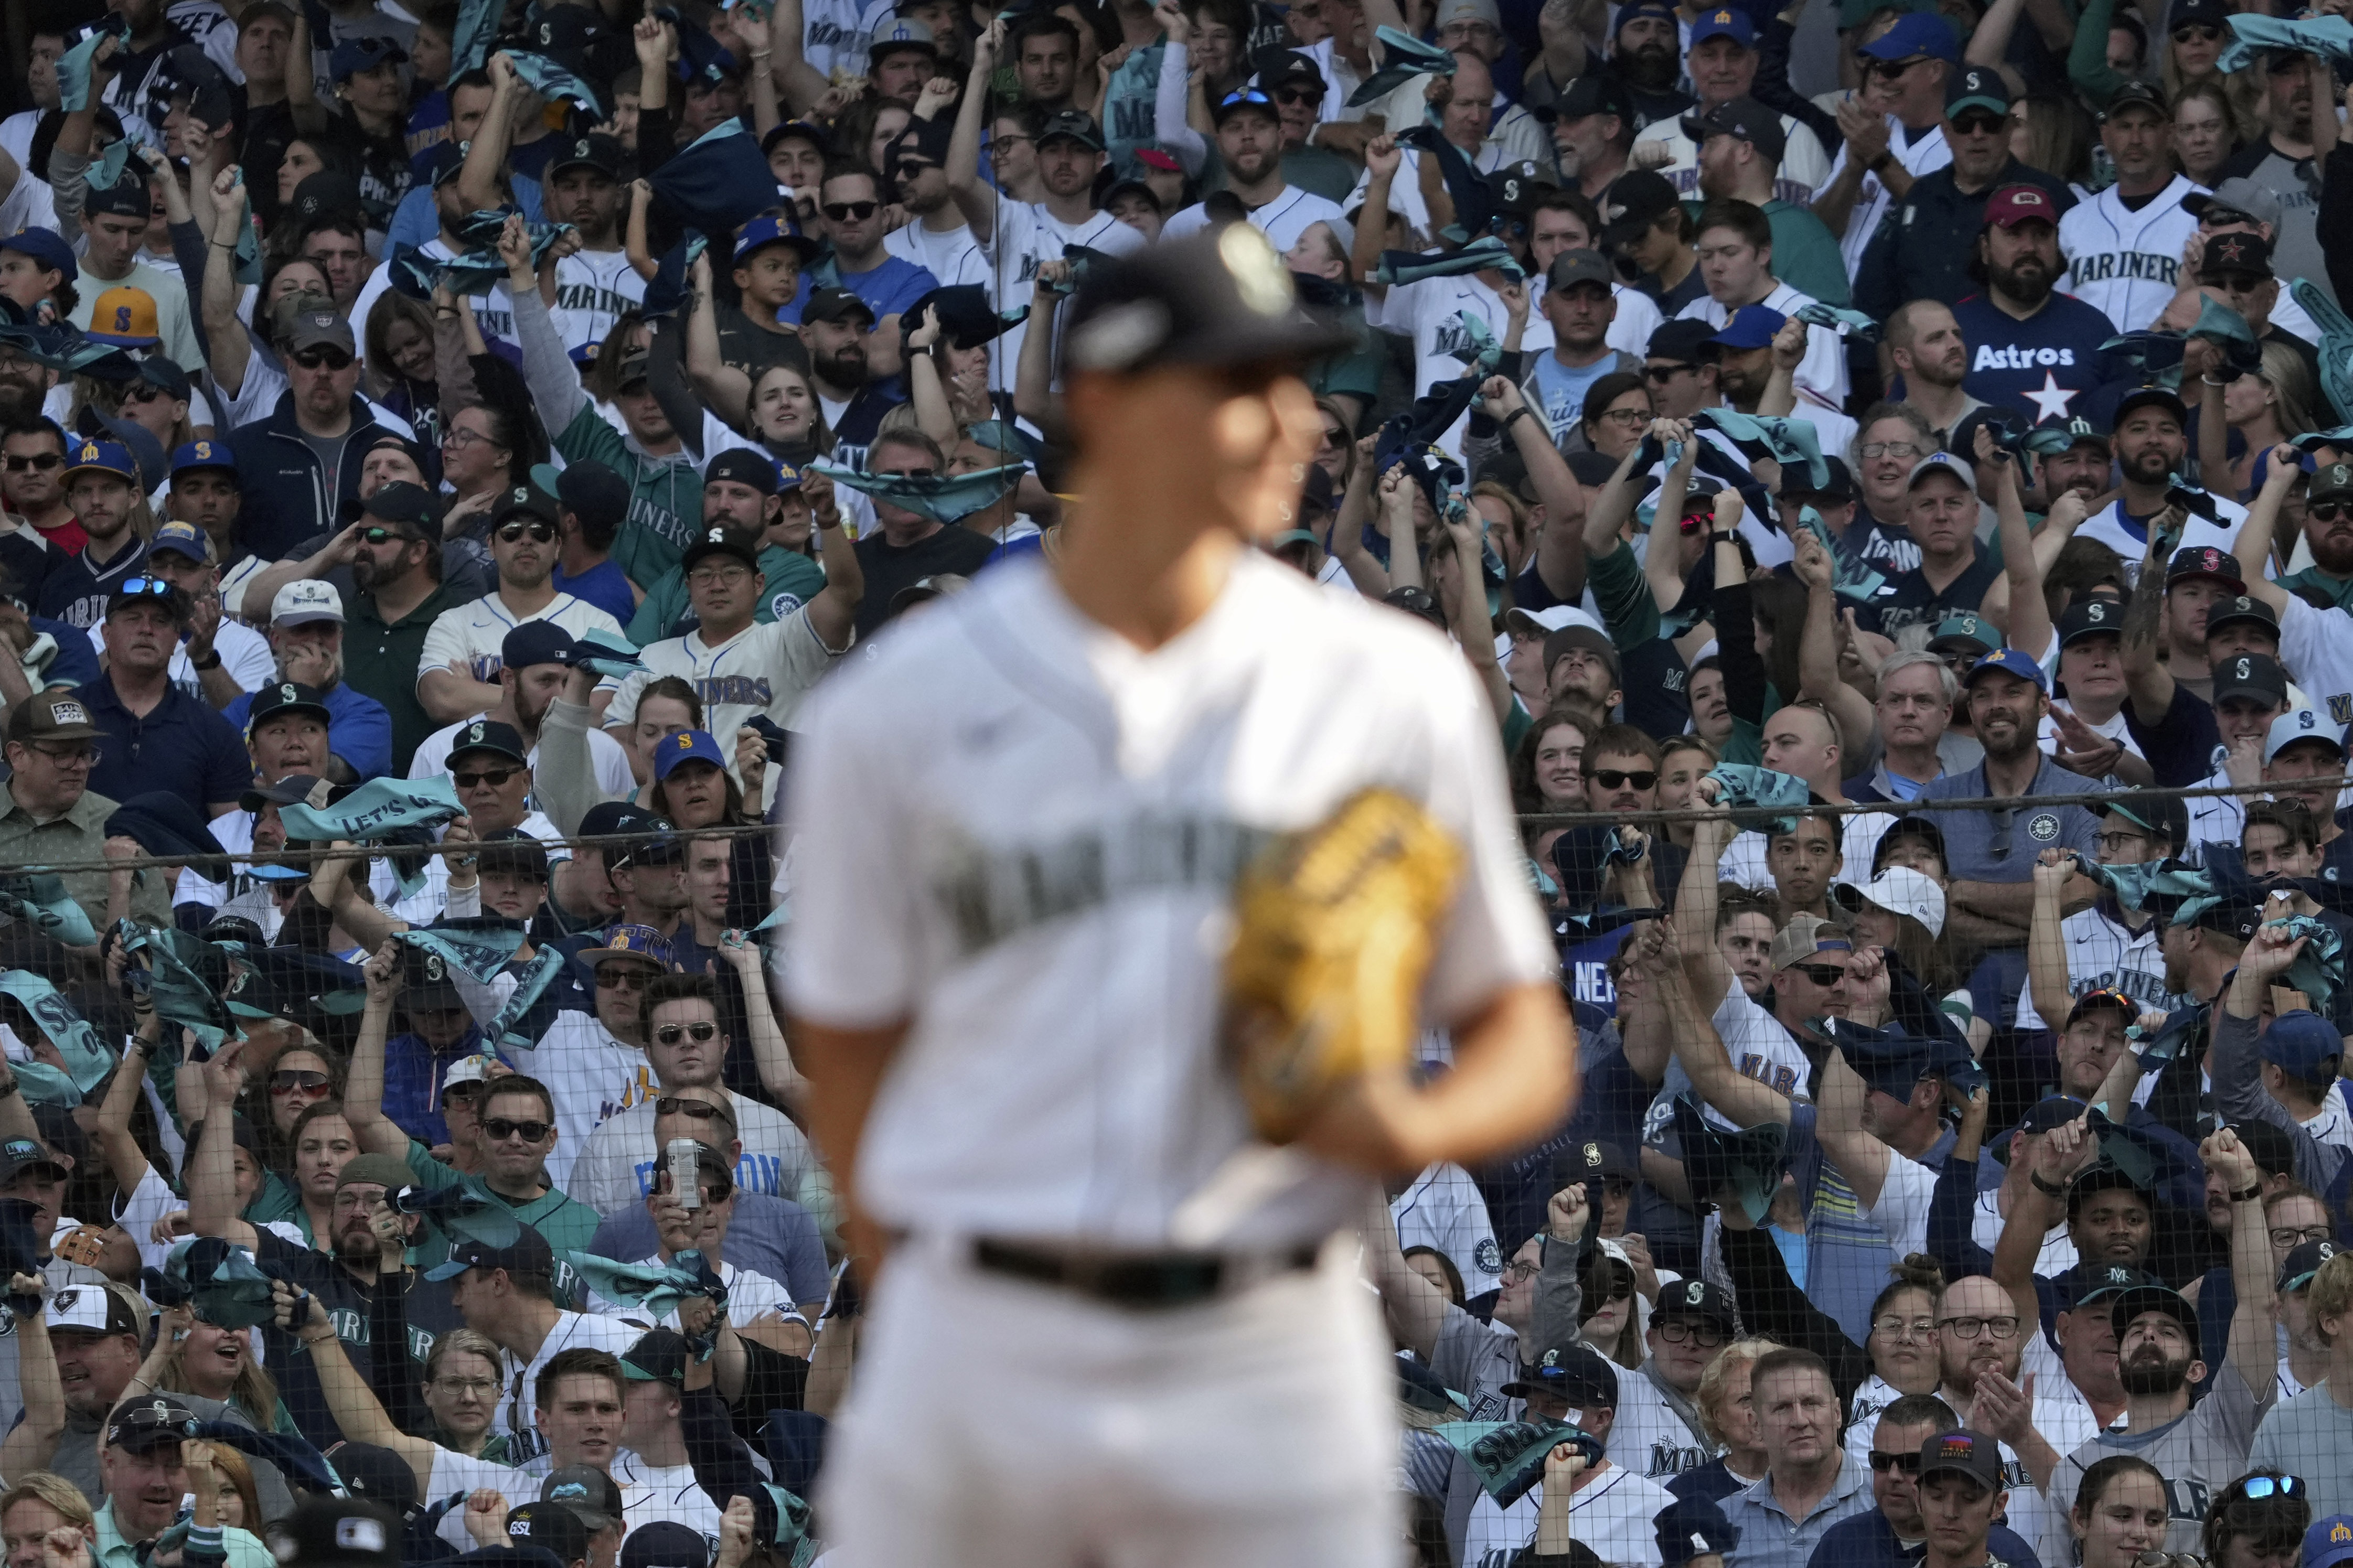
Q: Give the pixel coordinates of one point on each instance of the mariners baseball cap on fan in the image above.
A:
(595, 151)
(1724, 23)
(102, 457)
(466, 1070)
(1744, 118)
(1962, 1452)
(439, 164)
(2014, 204)
(200, 456)
(528, 1256)
(1574, 1372)
(1750, 327)
(2329, 1541)
(2333, 479)
(2222, 613)
(589, 1495)
(2255, 675)
(47, 248)
(2298, 1266)
(1595, 92)
(1948, 463)
(124, 317)
(1979, 87)
(527, 500)
(1214, 298)
(488, 735)
(1519, 186)
(149, 1424)
(2103, 1000)
(1071, 125)
(2093, 618)
(2203, 561)
(2236, 200)
(89, 1310)
(2011, 661)
(181, 539)
(1691, 1528)
(1915, 36)
(1899, 891)
(686, 746)
(1805, 936)
(373, 1472)
(2234, 255)
(666, 1544)
(660, 1355)
(1695, 1299)
(1963, 631)
(720, 542)
(2301, 726)
(305, 600)
(1837, 489)
(285, 697)
(127, 198)
(742, 466)
(775, 228)
(2134, 95)
(2302, 1044)
(2154, 1295)
(512, 852)
(1634, 201)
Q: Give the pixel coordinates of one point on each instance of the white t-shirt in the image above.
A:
(952, 256)
(614, 778)
(593, 290)
(1019, 845)
(477, 633)
(768, 668)
(1612, 1513)
(616, 1170)
(591, 1076)
(1282, 220)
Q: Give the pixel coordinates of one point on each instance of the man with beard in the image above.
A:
(1926, 345)
(2124, 246)
(2150, 448)
(595, 285)
(2280, 161)
(1925, 252)
(306, 639)
(1722, 62)
(534, 659)
(458, 671)
(2199, 1448)
(851, 202)
(1645, 47)
(1954, 571)
(1250, 144)
(1989, 902)
(908, 546)
(396, 595)
(103, 484)
(1593, 127)
(2031, 346)
(2329, 538)
(835, 325)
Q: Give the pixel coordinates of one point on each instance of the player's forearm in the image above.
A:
(845, 1070)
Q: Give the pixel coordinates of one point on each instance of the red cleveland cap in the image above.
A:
(2015, 204)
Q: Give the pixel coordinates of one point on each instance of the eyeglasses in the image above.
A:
(323, 357)
(502, 1128)
(495, 777)
(1907, 1463)
(458, 436)
(2327, 510)
(1888, 449)
(701, 1033)
(613, 977)
(540, 531)
(68, 756)
(848, 212)
(2287, 1235)
(2003, 1327)
(1611, 778)
(714, 576)
(2117, 842)
(1519, 1272)
(1822, 974)
(1896, 1328)
(2196, 33)
(692, 1109)
(43, 463)
(1978, 124)
(1665, 373)
(1630, 418)
(1680, 1331)
(468, 1387)
(291, 1078)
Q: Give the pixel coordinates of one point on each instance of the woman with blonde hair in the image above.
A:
(1728, 1413)
(2207, 129)
(2262, 407)
(37, 1506)
(192, 1356)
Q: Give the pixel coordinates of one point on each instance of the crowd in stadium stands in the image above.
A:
(441, 446)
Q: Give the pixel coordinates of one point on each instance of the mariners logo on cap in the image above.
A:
(474, 732)
(685, 739)
(2096, 610)
(2339, 1533)
(1552, 1357)
(435, 969)
(88, 452)
(1593, 1153)
(1695, 1293)
(1972, 80)
(288, 694)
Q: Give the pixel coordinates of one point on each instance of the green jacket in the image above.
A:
(790, 581)
(566, 1224)
(665, 495)
(1806, 254)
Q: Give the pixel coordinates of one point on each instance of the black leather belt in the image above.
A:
(1140, 1281)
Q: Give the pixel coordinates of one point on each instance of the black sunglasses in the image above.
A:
(494, 777)
(1611, 778)
(540, 532)
(324, 355)
(1907, 1463)
(1666, 371)
(2328, 511)
(693, 1110)
(1978, 124)
(505, 1127)
(847, 212)
(1822, 974)
(44, 463)
(2196, 33)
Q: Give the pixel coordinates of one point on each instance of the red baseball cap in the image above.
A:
(2015, 204)
(1152, 157)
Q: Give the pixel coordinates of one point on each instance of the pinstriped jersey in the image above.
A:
(2123, 263)
(2103, 954)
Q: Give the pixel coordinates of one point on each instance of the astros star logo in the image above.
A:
(2233, 249)
(2051, 401)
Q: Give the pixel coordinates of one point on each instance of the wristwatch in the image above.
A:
(207, 661)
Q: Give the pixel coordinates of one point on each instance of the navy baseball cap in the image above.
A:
(181, 539)
(353, 56)
(2223, 612)
(1574, 1372)
(2204, 561)
(742, 466)
(2107, 1284)
(2303, 1043)
(2256, 675)
(1215, 298)
(538, 642)
(1979, 87)
(2298, 1266)
(1917, 34)
(1695, 1299)
(2329, 1541)
(1750, 327)
(194, 457)
(45, 246)
(526, 1257)
(1692, 1527)
(2013, 661)
(2154, 1297)
(488, 735)
(1963, 1452)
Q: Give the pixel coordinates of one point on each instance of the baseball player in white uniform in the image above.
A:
(1017, 832)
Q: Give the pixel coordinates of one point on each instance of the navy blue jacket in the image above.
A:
(285, 493)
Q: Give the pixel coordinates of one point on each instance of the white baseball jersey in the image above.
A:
(613, 775)
(1823, 370)
(768, 668)
(951, 255)
(1925, 155)
(1611, 1512)
(476, 633)
(590, 1075)
(2110, 528)
(1048, 825)
(1025, 235)
(650, 1492)
(1282, 220)
(2317, 651)
(1430, 311)
(1443, 1209)
(1805, 167)
(1630, 329)
(833, 38)
(493, 309)
(2128, 264)
(1649, 1438)
(593, 288)
(2102, 954)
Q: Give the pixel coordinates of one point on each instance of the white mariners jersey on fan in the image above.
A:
(1282, 220)
(1612, 1514)
(2128, 264)
(1649, 1438)
(593, 290)
(476, 633)
(1045, 813)
(2104, 955)
(1823, 370)
(2109, 527)
(833, 40)
(1025, 235)
(1443, 1209)
(2317, 651)
(768, 668)
(591, 1075)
